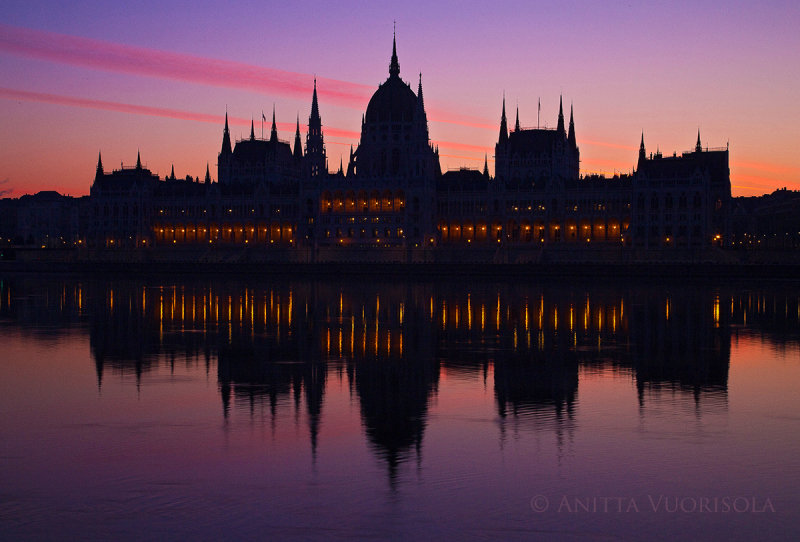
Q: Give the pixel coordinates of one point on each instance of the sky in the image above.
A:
(83, 77)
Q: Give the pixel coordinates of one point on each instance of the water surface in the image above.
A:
(337, 408)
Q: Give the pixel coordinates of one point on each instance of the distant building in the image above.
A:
(45, 219)
(771, 221)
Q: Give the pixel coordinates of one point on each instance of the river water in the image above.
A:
(342, 408)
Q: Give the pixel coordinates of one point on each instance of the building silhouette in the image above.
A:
(392, 201)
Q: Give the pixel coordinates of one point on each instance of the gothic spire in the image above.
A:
(642, 153)
(314, 105)
(350, 164)
(99, 166)
(273, 135)
(560, 126)
(316, 163)
(419, 93)
(172, 173)
(486, 165)
(298, 149)
(394, 66)
(516, 124)
(503, 123)
(138, 160)
(226, 138)
(252, 131)
(571, 134)
(698, 147)
(208, 175)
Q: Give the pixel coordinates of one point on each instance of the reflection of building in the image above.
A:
(681, 340)
(283, 347)
(392, 200)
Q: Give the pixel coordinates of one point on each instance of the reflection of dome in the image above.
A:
(394, 101)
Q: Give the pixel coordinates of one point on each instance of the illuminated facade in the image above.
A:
(392, 194)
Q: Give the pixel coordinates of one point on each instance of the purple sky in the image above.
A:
(158, 76)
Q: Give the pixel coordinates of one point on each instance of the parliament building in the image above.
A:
(392, 198)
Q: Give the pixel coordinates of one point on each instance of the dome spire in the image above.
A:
(394, 66)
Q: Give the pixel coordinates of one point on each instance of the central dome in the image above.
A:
(394, 101)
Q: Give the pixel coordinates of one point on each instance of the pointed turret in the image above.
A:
(420, 104)
(698, 147)
(341, 167)
(503, 124)
(315, 145)
(226, 139)
(208, 175)
(420, 116)
(298, 148)
(516, 124)
(560, 126)
(351, 164)
(273, 134)
(225, 154)
(138, 160)
(314, 105)
(99, 173)
(486, 165)
(642, 153)
(571, 135)
(172, 173)
(394, 66)
(252, 131)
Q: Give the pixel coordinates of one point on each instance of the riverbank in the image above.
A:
(435, 264)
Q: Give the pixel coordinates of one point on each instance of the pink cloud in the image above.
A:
(127, 59)
(119, 58)
(4, 192)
